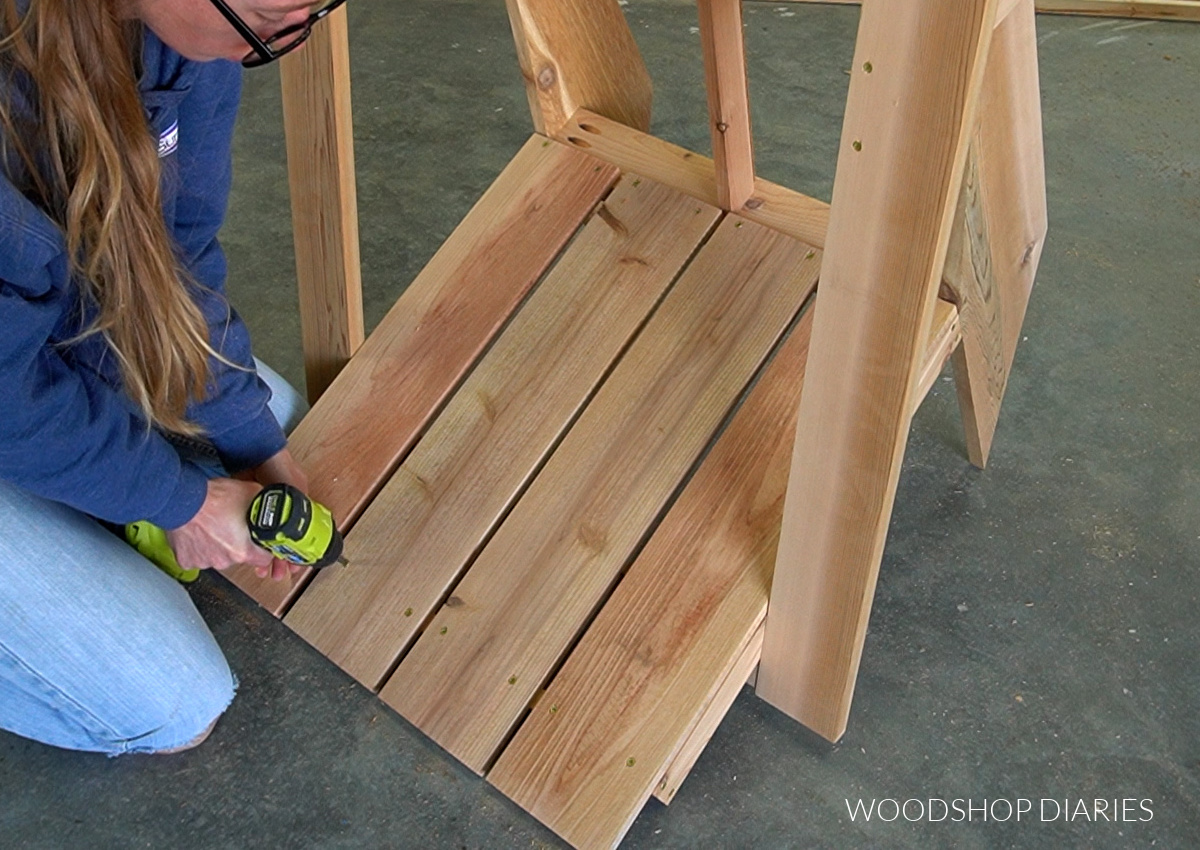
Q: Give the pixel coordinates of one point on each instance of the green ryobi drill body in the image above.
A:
(281, 519)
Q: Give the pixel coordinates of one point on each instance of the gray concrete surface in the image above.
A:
(1035, 629)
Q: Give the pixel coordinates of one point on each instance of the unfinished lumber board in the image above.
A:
(1176, 10)
(944, 340)
(710, 718)
(772, 205)
(663, 661)
(357, 433)
(602, 737)
(1169, 10)
(1000, 227)
(916, 75)
(444, 501)
(470, 677)
(728, 100)
(319, 132)
(943, 337)
(575, 54)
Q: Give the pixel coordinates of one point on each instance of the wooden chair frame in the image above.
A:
(917, 264)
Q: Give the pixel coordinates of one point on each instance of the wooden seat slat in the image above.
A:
(373, 412)
(443, 502)
(467, 681)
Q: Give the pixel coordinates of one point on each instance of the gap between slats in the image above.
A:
(606, 692)
(471, 675)
(375, 410)
(443, 503)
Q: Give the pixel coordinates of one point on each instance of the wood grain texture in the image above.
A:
(469, 678)
(728, 690)
(1168, 10)
(724, 52)
(372, 414)
(945, 337)
(319, 131)
(772, 205)
(1000, 228)
(916, 75)
(603, 737)
(579, 54)
(670, 651)
(443, 502)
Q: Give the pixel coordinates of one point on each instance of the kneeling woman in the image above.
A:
(128, 389)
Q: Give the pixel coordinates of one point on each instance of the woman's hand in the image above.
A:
(280, 468)
(217, 536)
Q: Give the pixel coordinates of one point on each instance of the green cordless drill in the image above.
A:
(281, 519)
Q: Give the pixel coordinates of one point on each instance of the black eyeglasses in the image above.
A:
(281, 43)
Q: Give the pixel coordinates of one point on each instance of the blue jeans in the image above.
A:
(99, 649)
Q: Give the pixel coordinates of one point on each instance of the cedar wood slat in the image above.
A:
(664, 659)
(469, 677)
(357, 433)
(439, 508)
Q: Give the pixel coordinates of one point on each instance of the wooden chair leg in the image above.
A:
(320, 146)
(579, 54)
(915, 83)
(728, 100)
(1000, 227)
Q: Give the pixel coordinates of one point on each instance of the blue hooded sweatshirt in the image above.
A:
(68, 430)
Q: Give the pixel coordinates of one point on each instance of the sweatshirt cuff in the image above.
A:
(247, 445)
(185, 501)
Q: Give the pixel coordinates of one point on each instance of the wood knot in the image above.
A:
(606, 216)
(722, 126)
(455, 602)
(593, 537)
(754, 203)
(547, 77)
(488, 405)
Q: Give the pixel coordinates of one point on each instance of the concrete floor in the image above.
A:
(1034, 634)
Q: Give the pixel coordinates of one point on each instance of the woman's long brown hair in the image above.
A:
(87, 157)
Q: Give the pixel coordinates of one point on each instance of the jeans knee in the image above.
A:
(181, 707)
(122, 708)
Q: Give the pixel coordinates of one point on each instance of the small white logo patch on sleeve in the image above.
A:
(168, 141)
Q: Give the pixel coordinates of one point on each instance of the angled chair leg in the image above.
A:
(579, 54)
(1000, 227)
(917, 73)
